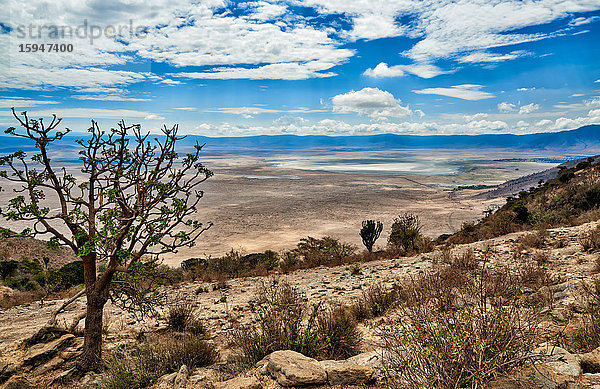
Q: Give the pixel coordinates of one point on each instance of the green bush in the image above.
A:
(405, 236)
(7, 268)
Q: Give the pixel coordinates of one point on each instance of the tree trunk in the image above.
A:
(91, 357)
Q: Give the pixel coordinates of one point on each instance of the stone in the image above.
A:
(165, 382)
(18, 382)
(239, 383)
(560, 360)
(290, 368)
(181, 378)
(6, 371)
(590, 362)
(42, 352)
(346, 373)
(370, 358)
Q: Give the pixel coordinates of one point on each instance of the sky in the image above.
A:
(328, 67)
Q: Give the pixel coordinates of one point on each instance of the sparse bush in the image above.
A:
(374, 301)
(355, 269)
(326, 251)
(337, 335)
(370, 232)
(465, 261)
(591, 241)
(155, 357)
(405, 233)
(586, 336)
(541, 257)
(456, 335)
(284, 322)
(535, 240)
(180, 317)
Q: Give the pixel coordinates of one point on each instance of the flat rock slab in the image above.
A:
(42, 352)
(290, 368)
(239, 383)
(346, 373)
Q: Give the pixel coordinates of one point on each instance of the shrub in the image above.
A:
(374, 301)
(283, 321)
(326, 251)
(7, 268)
(155, 357)
(406, 230)
(70, 275)
(180, 317)
(433, 344)
(370, 232)
(586, 336)
(591, 241)
(337, 334)
(535, 240)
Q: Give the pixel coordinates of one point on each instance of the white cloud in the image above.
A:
(597, 80)
(186, 108)
(506, 107)
(525, 89)
(465, 91)
(89, 113)
(422, 70)
(153, 116)
(482, 56)
(529, 108)
(477, 116)
(374, 102)
(108, 98)
(581, 21)
(23, 103)
(281, 71)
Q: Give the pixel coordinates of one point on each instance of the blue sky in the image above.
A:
(336, 67)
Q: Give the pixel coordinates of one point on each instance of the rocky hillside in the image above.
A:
(565, 256)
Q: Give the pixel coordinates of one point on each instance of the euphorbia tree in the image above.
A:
(134, 197)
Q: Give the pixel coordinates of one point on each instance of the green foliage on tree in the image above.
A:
(132, 199)
(406, 230)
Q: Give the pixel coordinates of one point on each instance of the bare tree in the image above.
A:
(135, 199)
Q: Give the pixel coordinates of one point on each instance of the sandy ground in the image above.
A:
(256, 206)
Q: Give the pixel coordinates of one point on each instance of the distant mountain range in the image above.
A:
(572, 141)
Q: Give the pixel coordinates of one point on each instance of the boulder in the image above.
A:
(42, 352)
(346, 373)
(370, 358)
(590, 362)
(560, 360)
(239, 383)
(290, 368)
(18, 382)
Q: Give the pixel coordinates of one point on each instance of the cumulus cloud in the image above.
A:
(374, 102)
(529, 108)
(506, 107)
(465, 91)
(422, 70)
